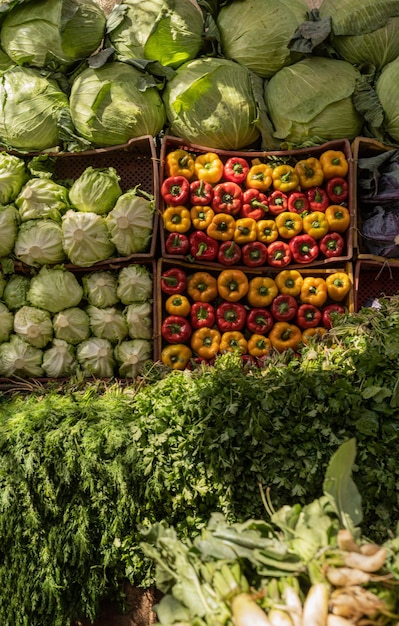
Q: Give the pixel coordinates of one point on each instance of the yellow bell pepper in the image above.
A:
(310, 172)
(202, 287)
(245, 230)
(178, 304)
(266, 231)
(315, 224)
(313, 291)
(284, 336)
(338, 218)
(179, 163)
(233, 340)
(334, 163)
(177, 219)
(176, 356)
(232, 285)
(289, 282)
(258, 345)
(222, 227)
(206, 342)
(201, 216)
(262, 290)
(208, 167)
(338, 286)
(259, 176)
(285, 178)
(317, 332)
(288, 224)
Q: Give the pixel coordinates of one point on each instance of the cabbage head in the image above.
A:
(39, 242)
(42, 198)
(131, 356)
(34, 325)
(365, 31)
(71, 325)
(130, 223)
(52, 33)
(96, 190)
(86, 239)
(59, 360)
(54, 289)
(387, 87)
(115, 103)
(308, 105)
(13, 175)
(210, 102)
(100, 288)
(135, 284)
(168, 31)
(15, 293)
(9, 221)
(6, 323)
(109, 323)
(256, 33)
(139, 320)
(31, 106)
(96, 357)
(19, 358)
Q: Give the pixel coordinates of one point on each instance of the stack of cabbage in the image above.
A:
(55, 324)
(43, 222)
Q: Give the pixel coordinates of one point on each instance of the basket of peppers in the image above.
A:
(275, 209)
(204, 312)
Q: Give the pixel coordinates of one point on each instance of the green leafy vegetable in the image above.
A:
(96, 190)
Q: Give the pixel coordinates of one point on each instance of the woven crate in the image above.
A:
(171, 143)
(374, 279)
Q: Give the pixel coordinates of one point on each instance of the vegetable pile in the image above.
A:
(273, 211)
(205, 313)
(58, 324)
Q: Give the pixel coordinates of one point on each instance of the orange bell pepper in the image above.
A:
(232, 285)
(233, 340)
(258, 345)
(206, 342)
(317, 332)
(334, 163)
(201, 216)
(310, 172)
(289, 282)
(176, 356)
(179, 163)
(284, 336)
(177, 304)
(209, 167)
(338, 218)
(202, 287)
(262, 290)
(222, 227)
(314, 291)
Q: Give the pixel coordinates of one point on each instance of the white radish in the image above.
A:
(365, 562)
(315, 607)
(279, 617)
(345, 576)
(293, 604)
(245, 611)
(337, 620)
(346, 541)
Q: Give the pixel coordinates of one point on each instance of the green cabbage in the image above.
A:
(365, 31)
(86, 238)
(96, 190)
(6, 323)
(3, 283)
(107, 323)
(135, 284)
(100, 288)
(52, 33)
(115, 103)
(54, 289)
(256, 33)
(59, 360)
(387, 86)
(19, 358)
(96, 357)
(42, 198)
(71, 325)
(39, 242)
(9, 221)
(130, 223)
(139, 320)
(13, 175)
(31, 106)
(34, 326)
(308, 105)
(15, 293)
(168, 31)
(131, 356)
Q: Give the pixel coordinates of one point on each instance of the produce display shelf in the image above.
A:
(170, 143)
(163, 265)
(363, 147)
(374, 279)
(136, 162)
(24, 383)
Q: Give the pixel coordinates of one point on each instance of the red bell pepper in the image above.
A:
(254, 254)
(284, 307)
(175, 190)
(177, 243)
(201, 193)
(235, 170)
(304, 249)
(332, 245)
(176, 329)
(337, 189)
(173, 280)
(298, 202)
(229, 253)
(318, 199)
(227, 198)
(278, 202)
(259, 320)
(308, 316)
(279, 254)
(202, 246)
(254, 204)
(202, 314)
(328, 310)
(230, 316)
